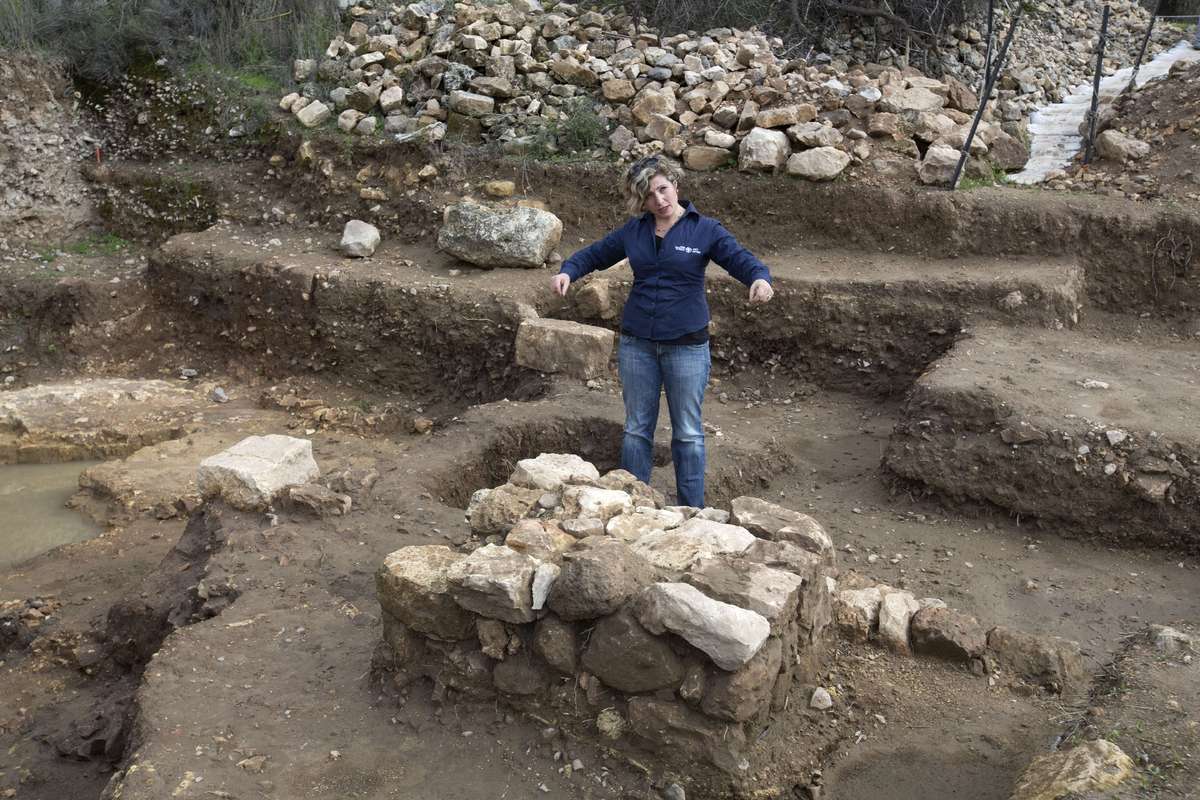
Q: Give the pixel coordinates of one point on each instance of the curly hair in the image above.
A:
(638, 177)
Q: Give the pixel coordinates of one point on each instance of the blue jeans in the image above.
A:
(682, 369)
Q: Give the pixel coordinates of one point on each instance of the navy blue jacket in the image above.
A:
(667, 300)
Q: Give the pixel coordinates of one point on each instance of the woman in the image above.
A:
(664, 330)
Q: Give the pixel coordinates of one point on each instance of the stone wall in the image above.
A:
(41, 144)
(585, 599)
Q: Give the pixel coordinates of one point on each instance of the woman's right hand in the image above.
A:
(559, 284)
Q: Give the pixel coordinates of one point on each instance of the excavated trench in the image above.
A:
(450, 350)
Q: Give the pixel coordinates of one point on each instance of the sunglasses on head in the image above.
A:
(641, 164)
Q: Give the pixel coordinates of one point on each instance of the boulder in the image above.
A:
(559, 345)
(252, 473)
(595, 503)
(818, 164)
(549, 471)
(501, 508)
(938, 166)
(763, 150)
(1051, 662)
(745, 693)
(914, 99)
(651, 102)
(677, 549)
(492, 236)
(778, 523)
(896, 611)
(772, 593)
(495, 581)
(1008, 152)
(599, 575)
(522, 674)
(703, 158)
(414, 588)
(617, 90)
(729, 635)
(783, 116)
(884, 125)
(359, 239)
(364, 96)
(622, 654)
(945, 633)
(1086, 770)
(662, 128)
(391, 99)
(719, 139)
(1117, 146)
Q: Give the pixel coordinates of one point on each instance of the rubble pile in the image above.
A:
(586, 598)
(515, 74)
(1052, 52)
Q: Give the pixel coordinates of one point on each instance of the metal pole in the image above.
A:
(1091, 140)
(992, 77)
(1145, 42)
(987, 56)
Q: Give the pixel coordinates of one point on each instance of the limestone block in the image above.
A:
(938, 165)
(1048, 661)
(945, 633)
(777, 523)
(662, 128)
(1086, 770)
(541, 539)
(745, 693)
(914, 99)
(651, 102)
(364, 96)
(896, 611)
(677, 549)
(1117, 146)
(254, 471)
(313, 114)
(543, 582)
(703, 158)
(595, 503)
(495, 581)
(677, 732)
(856, 612)
(413, 586)
(778, 117)
(549, 471)
(729, 635)
(391, 99)
(501, 508)
(815, 134)
(359, 239)
(599, 575)
(555, 640)
(643, 520)
(763, 150)
(319, 500)
(470, 104)
(495, 236)
(555, 345)
(773, 593)
(617, 90)
(622, 654)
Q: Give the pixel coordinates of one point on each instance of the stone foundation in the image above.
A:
(670, 634)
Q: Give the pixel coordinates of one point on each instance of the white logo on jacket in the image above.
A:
(683, 248)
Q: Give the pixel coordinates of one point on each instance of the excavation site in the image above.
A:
(313, 486)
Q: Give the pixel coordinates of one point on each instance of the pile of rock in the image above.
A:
(1052, 52)
(509, 73)
(664, 628)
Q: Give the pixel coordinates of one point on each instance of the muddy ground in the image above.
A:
(200, 652)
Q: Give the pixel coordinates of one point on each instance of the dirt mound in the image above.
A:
(1164, 114)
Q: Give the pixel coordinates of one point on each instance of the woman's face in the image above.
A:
(662, 197)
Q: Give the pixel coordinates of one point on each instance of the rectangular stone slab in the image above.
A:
(554, 345)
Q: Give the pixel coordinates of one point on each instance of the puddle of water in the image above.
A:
(1054, 130)
(33, 513)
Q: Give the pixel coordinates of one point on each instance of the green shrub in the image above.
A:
(100, 40)
(580, 127)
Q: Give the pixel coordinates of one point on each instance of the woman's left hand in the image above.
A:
(761, 291)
